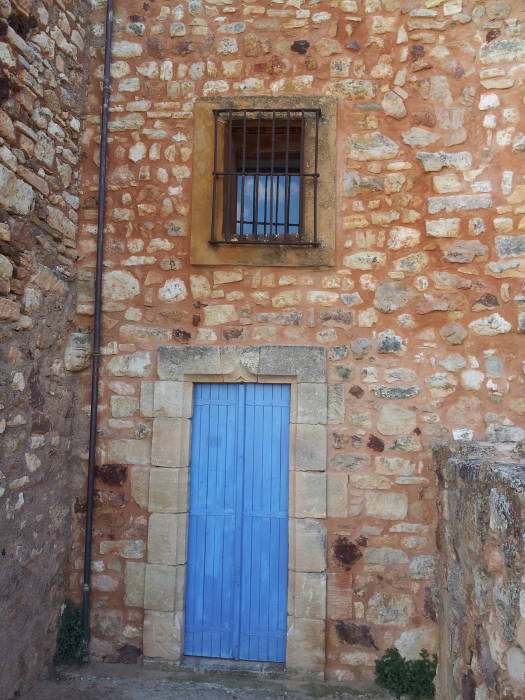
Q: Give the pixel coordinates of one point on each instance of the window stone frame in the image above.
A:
(205, 253)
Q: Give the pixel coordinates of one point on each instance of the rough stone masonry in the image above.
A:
(41, 93)
(421, 319)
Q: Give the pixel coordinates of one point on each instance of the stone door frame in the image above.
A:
(169, 402)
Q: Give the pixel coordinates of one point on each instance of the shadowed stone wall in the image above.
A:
(41, 85)
(482, 571)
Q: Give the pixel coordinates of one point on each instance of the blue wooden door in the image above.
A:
(236, 588)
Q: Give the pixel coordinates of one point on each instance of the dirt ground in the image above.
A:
(130, 682)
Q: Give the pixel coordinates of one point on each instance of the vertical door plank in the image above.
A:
(264, 571)
(210, 575)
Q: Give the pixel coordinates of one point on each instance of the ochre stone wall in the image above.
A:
(422, 316)
(41, 86)
(481, 573)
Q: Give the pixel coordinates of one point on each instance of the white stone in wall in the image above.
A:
(490, 325)
(137, 364)
(119, 285)
(126, 49)
(386, 506)
(410, 642)
(173, 290)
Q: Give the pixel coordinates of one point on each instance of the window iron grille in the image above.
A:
(265, 176)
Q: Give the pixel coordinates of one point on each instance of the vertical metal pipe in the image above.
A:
(88, 540)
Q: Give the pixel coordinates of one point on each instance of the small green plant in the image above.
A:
(411, 677)
(71, 643)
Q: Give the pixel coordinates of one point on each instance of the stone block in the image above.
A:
(172, 399)
(490, 325)
(510, 246)
(124, 406)
(9, 310)
(503, 50)
(305, 649)
(459, 202)
(77, 355)
(386, 506)
(134, 575)
(442, 228)
(371, 146)
(392, 296)
(310, 596)
(397, 466)
(369, 481)
(129, 451)
(175, 362)
(127, 549)
(216, 314)
(310, 447)
(339, 596)
(168, 490)
(140, 485)
(393, 609)
(162, 635)
(171, 442)
(385, 556)
(422, 567)
(237, 360)
(146, 399)
(310, 495)
(307, 363)
(167, 539)
(311, 403)
(137, 364)
(396, 420)
(336, 404)
(337, 495)
(310, 546)
(437, 160)
(516, 666)
(119, 285)
(160, 584)
(410, 642)
(15, 195)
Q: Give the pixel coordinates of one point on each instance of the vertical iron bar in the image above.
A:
(243, 170)
(316, 160)
(265, 202)
(272, 166)
(256, 179)
(226, 224)
(302, 179)
(287, 177)
(215, 176)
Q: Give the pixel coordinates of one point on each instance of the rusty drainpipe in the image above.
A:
(88, 538)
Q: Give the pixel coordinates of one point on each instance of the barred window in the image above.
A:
(265, 176)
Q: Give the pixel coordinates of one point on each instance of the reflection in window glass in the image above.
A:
(272, 198)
